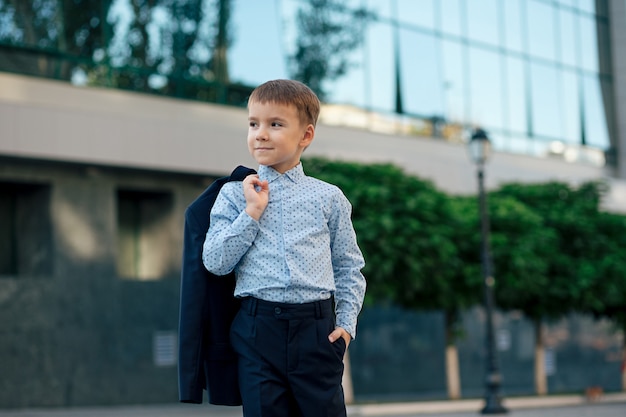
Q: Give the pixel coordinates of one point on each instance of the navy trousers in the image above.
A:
(287, 365)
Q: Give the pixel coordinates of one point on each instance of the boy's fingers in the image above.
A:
(254, 181)
(337, 333)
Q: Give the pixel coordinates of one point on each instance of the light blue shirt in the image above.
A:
(302, 249)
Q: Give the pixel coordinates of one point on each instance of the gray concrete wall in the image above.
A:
(80, 334)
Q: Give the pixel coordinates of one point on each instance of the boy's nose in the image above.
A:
(261, 134)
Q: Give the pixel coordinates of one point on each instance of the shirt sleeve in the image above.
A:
(231, 232)
(347, 261)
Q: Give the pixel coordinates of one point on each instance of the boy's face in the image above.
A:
(276, 137)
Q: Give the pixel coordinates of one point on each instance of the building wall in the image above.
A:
(81, 332)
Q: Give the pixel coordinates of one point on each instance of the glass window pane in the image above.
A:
(512, 10)
(570, 105)
(588, 6)
(568, 37)
(249, 64)
(380, 61)
(451, 13)
(596, 133)
(569, 3)
(351, 88)
(422, 85)
(482, 21)
(516, 95)
(421, 13)
(382, 8)
(540, 22)
(545, 101)
(485, 89)
(588, 43)
(454, 69)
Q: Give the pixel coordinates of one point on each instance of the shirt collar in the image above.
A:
(295, 174)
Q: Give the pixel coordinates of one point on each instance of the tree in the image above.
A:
(327, 32)
(70, 27)
(176, 47)
(605, 263)
(557, 280)
(407, 231)
(516, 247)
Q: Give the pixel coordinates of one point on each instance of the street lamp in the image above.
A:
(479, 150)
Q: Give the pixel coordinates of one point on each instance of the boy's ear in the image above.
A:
(307, 138)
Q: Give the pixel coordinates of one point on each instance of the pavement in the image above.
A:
(608, 405)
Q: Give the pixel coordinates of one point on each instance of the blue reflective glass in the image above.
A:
(568, 37)
(455, 90)
(596, 132)
(422, 85)
(251, 64)
(485, 88)
(382, 8)
(353, 87)
(512, 13)
(516, 95)
(381, 68)
(588, 43)
(420, 12)
(541, 30)
(451, 13)
(588, 6)
(482, 21)
(570, 106)
(545, 101)
(568, 3)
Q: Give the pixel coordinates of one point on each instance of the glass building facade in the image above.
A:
(528, 71)
(531, 72)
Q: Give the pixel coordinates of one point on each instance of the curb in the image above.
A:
(455, 406)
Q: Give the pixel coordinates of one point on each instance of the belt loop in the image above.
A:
(318, 310)
(252, 306)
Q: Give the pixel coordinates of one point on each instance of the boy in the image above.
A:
(292, 245)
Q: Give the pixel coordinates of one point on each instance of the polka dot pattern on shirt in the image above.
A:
(302, 249)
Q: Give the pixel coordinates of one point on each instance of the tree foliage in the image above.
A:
(405, 229)
(554, 250)
(605, 265)
(564, 231)
(144, 45)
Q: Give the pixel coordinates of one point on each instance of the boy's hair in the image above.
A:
(289, 92)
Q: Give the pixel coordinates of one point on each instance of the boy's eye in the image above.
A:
(252, 124)
(276, 124)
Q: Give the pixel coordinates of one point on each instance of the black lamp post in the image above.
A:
(480, 149)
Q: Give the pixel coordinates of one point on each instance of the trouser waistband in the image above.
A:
(317, 309)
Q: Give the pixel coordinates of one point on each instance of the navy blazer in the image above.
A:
(206, 359)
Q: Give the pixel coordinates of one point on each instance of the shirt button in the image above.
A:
(277, 310)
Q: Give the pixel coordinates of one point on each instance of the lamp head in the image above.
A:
(479, 147)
